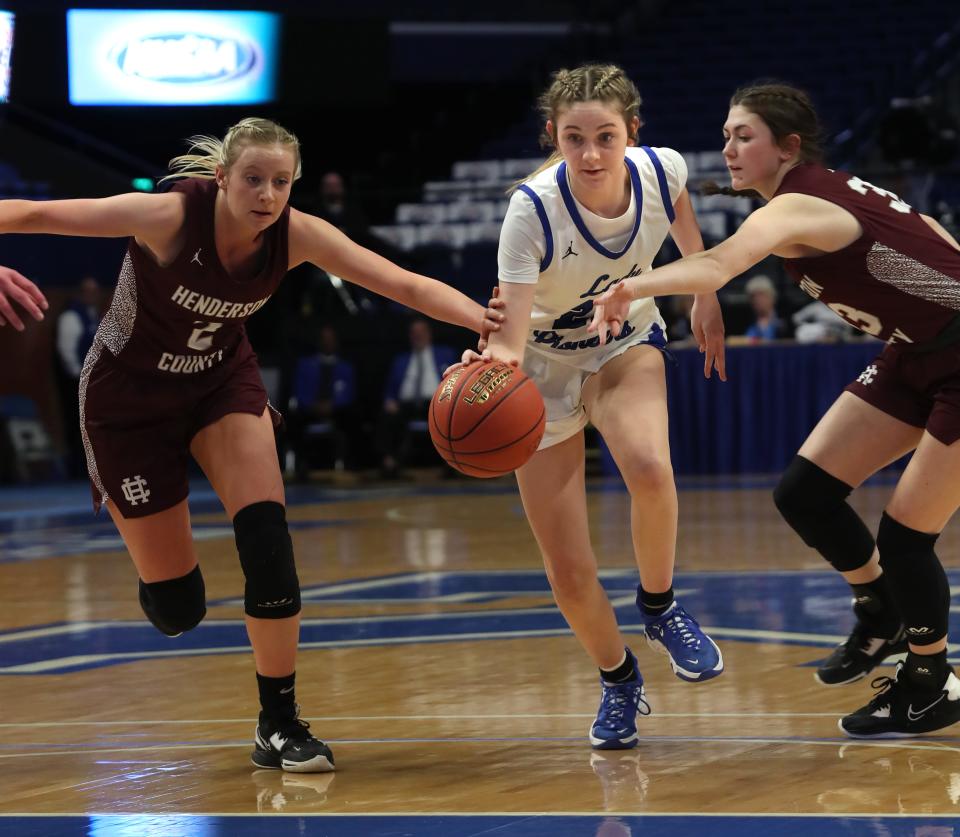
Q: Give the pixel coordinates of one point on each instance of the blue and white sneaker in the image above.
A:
(620, 703)
(693, 655)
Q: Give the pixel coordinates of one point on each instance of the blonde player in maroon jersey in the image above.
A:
(894, 274)
(171, 375)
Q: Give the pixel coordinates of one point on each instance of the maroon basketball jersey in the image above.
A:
(187, 318)
(900, 281)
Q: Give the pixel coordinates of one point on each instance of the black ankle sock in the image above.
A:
(874, 606)
(654, 604)
(277, 695)
(927, 671)
(622, 673)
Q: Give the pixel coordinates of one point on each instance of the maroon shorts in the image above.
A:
(919, 388)
(137, 428)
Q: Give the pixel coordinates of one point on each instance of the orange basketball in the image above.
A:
(486, 419)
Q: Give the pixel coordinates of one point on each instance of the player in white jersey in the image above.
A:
(597, 211)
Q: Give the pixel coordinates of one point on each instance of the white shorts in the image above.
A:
(561, 386)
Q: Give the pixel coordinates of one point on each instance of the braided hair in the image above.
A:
(605, 83)
(785, 110)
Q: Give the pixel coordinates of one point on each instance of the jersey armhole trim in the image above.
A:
(544, 222)
(662, 180)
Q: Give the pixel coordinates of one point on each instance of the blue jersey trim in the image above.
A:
(544, 222)
(662, 180)
(657, 337)
(571, 205)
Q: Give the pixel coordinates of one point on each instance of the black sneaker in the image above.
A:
(288, 745)
(900, 710)
(859, 655)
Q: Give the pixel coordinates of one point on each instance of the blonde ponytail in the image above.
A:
(206, 152)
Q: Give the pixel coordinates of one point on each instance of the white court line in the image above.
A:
(54, 630)
(508, 814)
(338, 718)
(434, 575)
(89, 659)
(92, 659)
(657, 739)
(80, 627)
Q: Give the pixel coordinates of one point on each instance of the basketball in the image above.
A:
(486, 419)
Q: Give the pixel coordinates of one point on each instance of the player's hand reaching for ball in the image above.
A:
(610, 310)
(19, 289)
(706, 321)
(469, 356)
(492, 317)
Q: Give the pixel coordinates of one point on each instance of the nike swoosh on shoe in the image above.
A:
(916, 716)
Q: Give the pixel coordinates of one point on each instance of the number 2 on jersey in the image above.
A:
(202, 338)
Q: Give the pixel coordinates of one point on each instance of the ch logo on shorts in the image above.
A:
(135, 490)
(868, 374)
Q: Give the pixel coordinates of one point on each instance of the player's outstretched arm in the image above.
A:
(788, 219)
(508, 342)
(706, 318)
(148, 217)
(15, 288)
(314, 240)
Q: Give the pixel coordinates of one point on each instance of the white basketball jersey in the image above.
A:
(576, 267)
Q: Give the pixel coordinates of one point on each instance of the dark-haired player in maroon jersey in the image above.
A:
(172, 375)
(894, 274)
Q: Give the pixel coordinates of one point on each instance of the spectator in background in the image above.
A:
(413, 378)
(763, 300)
(335, 206)
(324, 392)
(815, 323)
(76, 326)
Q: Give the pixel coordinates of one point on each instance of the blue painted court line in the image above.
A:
(472, 825)
(66, 503)
(42, 540)
(798, 608)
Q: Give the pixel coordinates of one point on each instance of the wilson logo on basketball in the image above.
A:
(185, 58)
(488, 383)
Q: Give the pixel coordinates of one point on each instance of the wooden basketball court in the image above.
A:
(436, 666)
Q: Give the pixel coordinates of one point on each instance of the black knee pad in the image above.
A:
(176, 605)
(814, 503)
(272, 589)
(916, 578)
